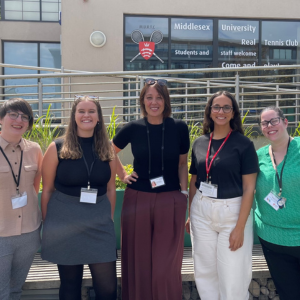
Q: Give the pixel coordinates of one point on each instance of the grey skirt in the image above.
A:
(77, 233)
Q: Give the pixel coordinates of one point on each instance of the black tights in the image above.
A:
(104, 281)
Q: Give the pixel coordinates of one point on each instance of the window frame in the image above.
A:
(215, 20)
(3, 18)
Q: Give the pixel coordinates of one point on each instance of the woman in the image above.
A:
(153, 213)
(20, 217)
(224, 167)
(277, 203)
(78, 202)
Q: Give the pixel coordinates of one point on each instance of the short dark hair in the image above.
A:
(235, 123)
(272, 107)
(164, 92)
(17, 104)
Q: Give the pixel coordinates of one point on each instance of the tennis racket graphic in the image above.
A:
(146, 48)
(156, 37)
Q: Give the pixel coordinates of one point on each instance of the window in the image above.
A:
(146, 43)
(238, 43)
(36, 55)
(280, 43)
(32, 10)
(210, 42)
(191, 43)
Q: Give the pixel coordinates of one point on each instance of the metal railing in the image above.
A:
(254, 88)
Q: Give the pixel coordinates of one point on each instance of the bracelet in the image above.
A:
(185, 193)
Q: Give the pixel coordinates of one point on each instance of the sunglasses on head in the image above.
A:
(152, 81)
(82, 96)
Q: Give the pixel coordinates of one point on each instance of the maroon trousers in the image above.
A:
(152, 245)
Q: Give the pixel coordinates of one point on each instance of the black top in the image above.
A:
(176, 142)
(236, 158)
(72, 175)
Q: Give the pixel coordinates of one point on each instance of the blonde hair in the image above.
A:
(71, 148)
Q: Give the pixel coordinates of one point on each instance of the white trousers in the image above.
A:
(220, 274)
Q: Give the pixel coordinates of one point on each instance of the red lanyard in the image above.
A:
(208, 150)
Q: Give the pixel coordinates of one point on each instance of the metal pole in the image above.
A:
(40, 88)
(186, 102)
(137, 94)
(242, 104)
(277, 96)
(296, 103)
(63, 105)
(141, 87)
(297, 108)
(237, 87)
(128, 102)
(208, 89)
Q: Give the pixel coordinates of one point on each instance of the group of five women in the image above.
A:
(79, 196)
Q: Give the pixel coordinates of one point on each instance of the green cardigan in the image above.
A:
(281, 227)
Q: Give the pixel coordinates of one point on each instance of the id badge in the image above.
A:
(281, 202)
(88, 195)
(272, 199)
(19, 201)
(209, 190)
(157, 182)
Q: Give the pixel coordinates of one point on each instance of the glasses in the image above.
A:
(14, 116)
(152, 81)
(273, 122)
(226, 108)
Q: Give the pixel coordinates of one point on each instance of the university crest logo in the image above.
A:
(147, 48)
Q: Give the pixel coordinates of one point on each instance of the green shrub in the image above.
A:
(42, 132)
(113, 125)
(119, 184)
(248, 129)
(296, 132)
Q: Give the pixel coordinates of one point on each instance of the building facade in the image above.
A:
(179, 35)
(194, 34)
(156, 35)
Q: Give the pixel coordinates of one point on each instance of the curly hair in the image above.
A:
(71, 148)
(235, 123)
(164, 92)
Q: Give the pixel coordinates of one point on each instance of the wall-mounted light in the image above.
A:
(98, 39)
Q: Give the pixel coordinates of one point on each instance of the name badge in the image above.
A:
(88, 195)
(272, 199)
(157, 182)
(19, 201)
(208, 189)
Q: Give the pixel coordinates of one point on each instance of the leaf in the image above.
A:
(113, 124)
(248, 129)
(42, 132)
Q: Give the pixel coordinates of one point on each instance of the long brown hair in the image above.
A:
(71, 148)
(164, 92)
(235, 123)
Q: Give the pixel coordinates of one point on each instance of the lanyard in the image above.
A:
(89, 170)
(279, 179)
(208, 167)
(162, 147)
(12, 172)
